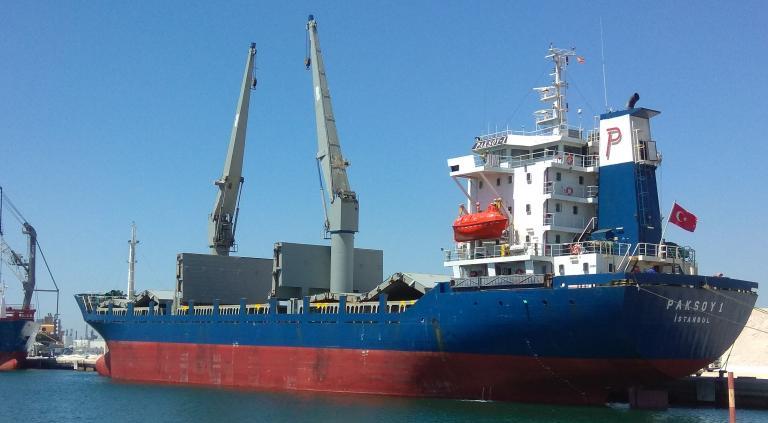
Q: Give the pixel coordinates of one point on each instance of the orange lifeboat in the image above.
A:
(488, 224)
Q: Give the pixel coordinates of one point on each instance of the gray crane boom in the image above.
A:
(29, 283)
(223, 220)
(342, 218)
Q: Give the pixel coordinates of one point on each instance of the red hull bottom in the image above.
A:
(11, 361)
(426, 374)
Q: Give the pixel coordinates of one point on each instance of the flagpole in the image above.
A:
(664, 229)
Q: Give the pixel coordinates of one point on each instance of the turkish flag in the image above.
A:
(683, 218)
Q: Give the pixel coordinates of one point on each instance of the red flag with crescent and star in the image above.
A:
(682, 218)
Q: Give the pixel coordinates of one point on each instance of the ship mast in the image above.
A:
(556, 117)
(2, 299)
(131, 261)
(223, 220)
(342, 219)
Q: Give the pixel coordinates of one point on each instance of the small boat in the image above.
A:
(488, 224)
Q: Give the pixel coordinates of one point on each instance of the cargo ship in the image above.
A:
(17, 331)
(564, 288)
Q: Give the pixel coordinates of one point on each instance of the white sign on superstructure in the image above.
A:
(619, 137)
(487, 142)
(616, 140)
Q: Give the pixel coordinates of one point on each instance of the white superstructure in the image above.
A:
(547, 180)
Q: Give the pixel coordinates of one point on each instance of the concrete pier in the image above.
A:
(751, 392)
(67, 362)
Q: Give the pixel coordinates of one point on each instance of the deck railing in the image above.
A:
(497, 161)
(500, 281)
(570, 190)
(666, 251)
(490, 251)
(251, 309)
(571, 130)
(608, 248)
(17, 311)
(563, 219)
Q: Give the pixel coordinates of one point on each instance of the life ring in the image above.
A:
(568, 191)
(569, 159)
(575, 249)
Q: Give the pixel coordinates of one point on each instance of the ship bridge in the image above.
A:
(533, 202)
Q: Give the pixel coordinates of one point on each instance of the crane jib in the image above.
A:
(222, 221)
(341, 218)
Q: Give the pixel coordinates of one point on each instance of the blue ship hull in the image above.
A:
(576, 341)
(14, 339)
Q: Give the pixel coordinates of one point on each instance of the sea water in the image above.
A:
(64, 396)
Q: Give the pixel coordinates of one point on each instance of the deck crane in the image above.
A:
(341, 220)
(222, 221)
(24, 269)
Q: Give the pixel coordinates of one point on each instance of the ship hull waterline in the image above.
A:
(392, 373)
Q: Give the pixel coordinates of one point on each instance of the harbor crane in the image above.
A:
(24, 268)
(222, 222)
(341, 221)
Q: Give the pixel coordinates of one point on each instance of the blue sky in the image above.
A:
(115, 112)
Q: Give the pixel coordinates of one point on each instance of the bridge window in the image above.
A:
(509, 179)
(498, 181)
(561, 269)
(558, 208)
(528, 178)
(575, 209)
(558, 176)
(581, 180)
(527, 209)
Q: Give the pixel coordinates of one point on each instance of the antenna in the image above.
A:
(602, 55)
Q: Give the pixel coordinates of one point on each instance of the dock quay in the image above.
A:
(751, 392)
(64, 362)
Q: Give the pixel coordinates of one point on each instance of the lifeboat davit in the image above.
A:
(488, 224)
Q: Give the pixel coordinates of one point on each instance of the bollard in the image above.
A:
(731, 400)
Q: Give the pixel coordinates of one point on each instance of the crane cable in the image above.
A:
(527, 94)
(14, 211)
(48, 268)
